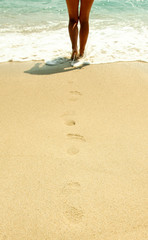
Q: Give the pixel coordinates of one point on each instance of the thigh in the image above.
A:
(73, 6)
(85, 9)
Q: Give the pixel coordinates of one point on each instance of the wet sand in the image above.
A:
(74, 151)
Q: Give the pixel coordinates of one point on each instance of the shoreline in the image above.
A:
(68, 59)
(73, 151)
(57, 68)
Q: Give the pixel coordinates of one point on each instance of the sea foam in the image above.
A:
(118, 31)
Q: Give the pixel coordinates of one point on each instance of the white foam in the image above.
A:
(56, 61)
(109, 44)
(79, 63)
(117, 44)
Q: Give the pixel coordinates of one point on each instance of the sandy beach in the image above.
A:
(74, 151)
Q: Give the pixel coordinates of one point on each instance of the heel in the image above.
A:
(74, 55)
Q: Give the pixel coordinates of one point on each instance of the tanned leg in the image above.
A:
(72, 6)
(84, 22)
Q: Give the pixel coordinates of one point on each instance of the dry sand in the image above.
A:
(74, 152)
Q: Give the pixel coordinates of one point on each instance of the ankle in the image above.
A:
(81, 54)
(74, 54)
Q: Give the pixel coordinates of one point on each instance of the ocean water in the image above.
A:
(37, 30)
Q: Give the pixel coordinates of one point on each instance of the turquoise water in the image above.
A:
(34, 30)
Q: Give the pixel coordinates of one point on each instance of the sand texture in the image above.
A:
(74, 152)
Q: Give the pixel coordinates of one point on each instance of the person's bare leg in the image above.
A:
(72, 6)
(84, 22)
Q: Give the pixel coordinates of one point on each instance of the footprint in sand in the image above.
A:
(73, 212)
(70, 122)
(76, 93)
(66, 116)
(76, 136)
(73, 150)
(74, 96)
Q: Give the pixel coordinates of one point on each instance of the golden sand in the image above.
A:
(74, 152)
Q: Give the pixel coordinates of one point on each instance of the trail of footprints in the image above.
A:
(70, 122)
(71, 192)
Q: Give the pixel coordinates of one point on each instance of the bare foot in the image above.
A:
(74, 55)
(81, 54)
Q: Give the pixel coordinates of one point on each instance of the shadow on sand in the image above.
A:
(44, 69)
